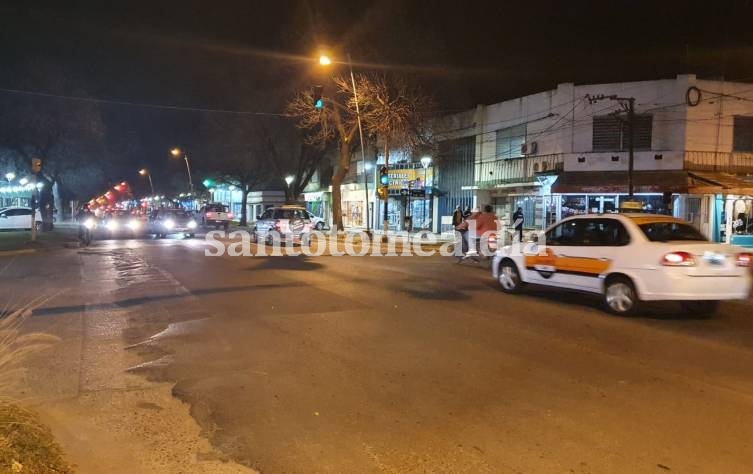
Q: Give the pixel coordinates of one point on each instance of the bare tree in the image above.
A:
(333, 125)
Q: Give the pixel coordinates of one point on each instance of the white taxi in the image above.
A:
(629, 258)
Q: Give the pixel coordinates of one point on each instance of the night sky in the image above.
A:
(231, 54)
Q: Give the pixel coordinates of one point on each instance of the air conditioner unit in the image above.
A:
(529, 148)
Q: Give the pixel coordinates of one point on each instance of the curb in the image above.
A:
(12, 253)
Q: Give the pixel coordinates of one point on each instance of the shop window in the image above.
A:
(742, 217)
(510, 142)
(610, 133)
(742, 134)
(573, 205)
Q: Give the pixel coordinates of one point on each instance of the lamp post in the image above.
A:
(177, 152)
(425, 162)
(326, 61)
(10, 176)
(145, 172)
(288, 180)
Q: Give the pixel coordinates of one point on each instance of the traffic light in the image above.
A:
(382, 192)
(384, 177)
(207, 183)
(317, 95)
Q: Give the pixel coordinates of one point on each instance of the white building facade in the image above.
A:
(565, 151)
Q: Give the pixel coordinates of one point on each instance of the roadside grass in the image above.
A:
(20, 240)
(26, 445)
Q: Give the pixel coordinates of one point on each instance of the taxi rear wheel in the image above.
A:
(620, 297)
(509, 277)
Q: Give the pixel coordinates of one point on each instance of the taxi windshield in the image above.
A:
(670, 231)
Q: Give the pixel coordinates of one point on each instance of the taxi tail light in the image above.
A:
(209, 214)
(745, 259)
(678, 259)
(229, 215)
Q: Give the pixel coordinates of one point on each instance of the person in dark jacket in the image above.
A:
(517, 222)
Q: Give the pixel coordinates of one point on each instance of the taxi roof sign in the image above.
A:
(628, 206)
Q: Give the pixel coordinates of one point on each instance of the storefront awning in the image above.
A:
(616, 182)
(714, 182)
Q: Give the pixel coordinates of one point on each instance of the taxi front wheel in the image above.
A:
(620, 296)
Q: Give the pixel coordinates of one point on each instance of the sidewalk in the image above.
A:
(421, 235)
(19, 242)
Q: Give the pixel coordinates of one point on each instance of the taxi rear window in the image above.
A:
(670, 231)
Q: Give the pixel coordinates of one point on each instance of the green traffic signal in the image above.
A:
(207, 183)
(384, 177)
(316, 93)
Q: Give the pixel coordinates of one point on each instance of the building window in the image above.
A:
(742, 135)
(610, 133)
(510, 141)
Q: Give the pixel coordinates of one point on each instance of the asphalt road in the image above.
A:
(412, 364)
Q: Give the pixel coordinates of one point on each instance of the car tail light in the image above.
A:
(209, 214)
(277, 226)
(229, 215)
(744, 259)
(678, 259)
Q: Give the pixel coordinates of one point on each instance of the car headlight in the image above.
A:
(169, 224)
(192, 224)
(111, 225)
(133, 224)
(89, 223)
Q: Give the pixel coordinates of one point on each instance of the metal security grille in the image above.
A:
(607, 135)
(455, 162)
(742, 135)
(510, 142)
(610, 133)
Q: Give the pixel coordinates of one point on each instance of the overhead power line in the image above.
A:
(139, 104)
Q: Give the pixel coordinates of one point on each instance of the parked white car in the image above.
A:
(286, 223)
(629, 258)
(16, 217)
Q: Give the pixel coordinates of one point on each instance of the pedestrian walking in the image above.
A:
(517, 222)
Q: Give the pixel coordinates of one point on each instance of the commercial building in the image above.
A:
(565, 151)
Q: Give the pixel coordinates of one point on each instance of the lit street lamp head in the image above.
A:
(10, 176)
(176, 152)
(143, 172)
(289, 179)
(324, 60)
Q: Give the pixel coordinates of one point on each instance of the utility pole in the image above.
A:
(631, 144)
(628, 105)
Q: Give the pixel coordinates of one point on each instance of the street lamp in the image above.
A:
(10, 176)
(23, 181)
(145, 172)
(425, 162)
(324, 60)
(177, 152)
